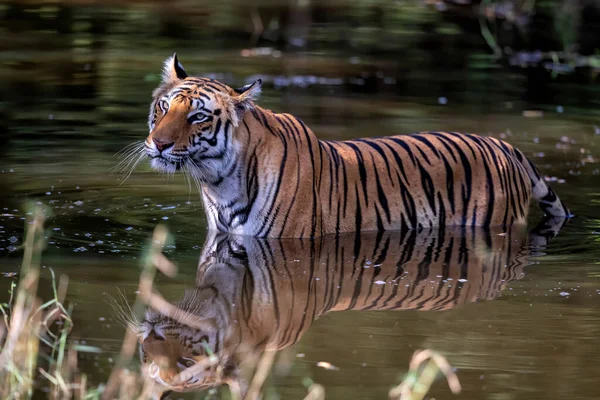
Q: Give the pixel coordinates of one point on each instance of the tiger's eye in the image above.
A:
(186, 362)
(197, 118)
(164, 105)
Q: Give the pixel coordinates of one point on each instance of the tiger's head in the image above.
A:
(192, 122)
(176, 349)
(203, 341)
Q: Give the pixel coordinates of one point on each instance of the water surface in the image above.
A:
(516, 322)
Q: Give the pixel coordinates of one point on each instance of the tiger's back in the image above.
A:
(425, 180)
(398, 182)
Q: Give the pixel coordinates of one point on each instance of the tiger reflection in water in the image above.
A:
(253, 295)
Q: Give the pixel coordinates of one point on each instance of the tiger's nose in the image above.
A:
(162, 145)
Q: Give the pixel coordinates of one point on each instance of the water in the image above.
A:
(517, 322)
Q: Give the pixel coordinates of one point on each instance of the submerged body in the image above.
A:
(266, 174)
(305, 187)
(255, 295)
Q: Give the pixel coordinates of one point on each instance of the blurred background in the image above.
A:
(75, 84)
(82, 71)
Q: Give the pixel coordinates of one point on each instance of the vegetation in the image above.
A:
(37, 354)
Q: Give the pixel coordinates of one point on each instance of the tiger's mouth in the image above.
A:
(189, 377)
(163, 164)
(184, 162)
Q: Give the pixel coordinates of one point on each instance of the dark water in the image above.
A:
(517, 322)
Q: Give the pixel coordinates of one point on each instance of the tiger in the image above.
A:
(253, 295)
(266, 174)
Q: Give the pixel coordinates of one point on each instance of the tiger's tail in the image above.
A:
(542, 193)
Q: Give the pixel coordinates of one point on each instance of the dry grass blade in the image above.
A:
(262, 371)
(128, 348)
(315, 392)
(37, 332)
(157, 302)
(418, 380)
(18, 358)
(165, 266)
(197, 368)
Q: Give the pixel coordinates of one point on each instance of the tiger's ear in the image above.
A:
(250, 91)
(244, 95)
(173, 70)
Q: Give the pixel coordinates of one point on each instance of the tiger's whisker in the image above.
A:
(198, 178)
(128, 147)
(201, 176)
(127, 159)
(187, 174)
(124, 155)
(141, 157)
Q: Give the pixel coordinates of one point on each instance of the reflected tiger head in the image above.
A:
(183, 350)
(192, 121)
(253, 295)
(199, 343)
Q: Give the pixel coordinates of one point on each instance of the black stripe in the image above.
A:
(361, 169)
(428, 189)
(381, 194)
(398, 162)
(358, 216)
(277, 188)
(379, 150)
(312, 161)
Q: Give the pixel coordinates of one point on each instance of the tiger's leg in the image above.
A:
(542, 193)
(545, 231)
